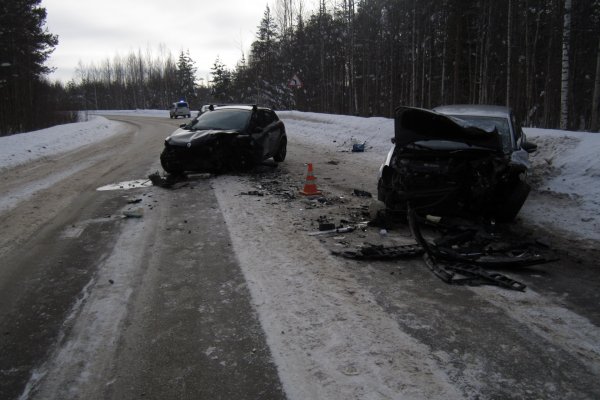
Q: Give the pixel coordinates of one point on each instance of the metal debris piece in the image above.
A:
(472, 275)
(326, 226)
(171, 181)
(361, 193)
(456, 268)
(252, 193)
(380, 252)
(358, 147)
(344, 229)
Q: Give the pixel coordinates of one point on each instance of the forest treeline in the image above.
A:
(366, 57)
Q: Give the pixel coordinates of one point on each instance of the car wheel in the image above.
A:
(281, 151)
(514, 202)
(169, 163)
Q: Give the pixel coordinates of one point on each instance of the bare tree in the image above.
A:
(564, 87)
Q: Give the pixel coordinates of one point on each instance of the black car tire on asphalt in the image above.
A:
(281, 151)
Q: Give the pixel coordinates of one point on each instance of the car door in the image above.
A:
(259, 133)
(273, 130)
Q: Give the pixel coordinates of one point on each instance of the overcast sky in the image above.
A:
(94, 30)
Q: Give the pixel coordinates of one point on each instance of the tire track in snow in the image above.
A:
(328, 336)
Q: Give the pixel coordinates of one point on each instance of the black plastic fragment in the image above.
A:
(379, 252)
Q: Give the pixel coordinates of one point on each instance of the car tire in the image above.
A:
(281, 151)
(169, 164)
(508, 212)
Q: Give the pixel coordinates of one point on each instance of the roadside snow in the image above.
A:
(25, 147)
(565, 174)
(134, 113)
(567, 169)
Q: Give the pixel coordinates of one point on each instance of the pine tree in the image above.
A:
(186, 76)
(25, 45)
(221, 81)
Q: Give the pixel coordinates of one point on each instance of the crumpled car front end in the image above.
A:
(442, 166)
(208, 151)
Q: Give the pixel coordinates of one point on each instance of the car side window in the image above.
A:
(254, 121)
(265, 118)
(270, 116)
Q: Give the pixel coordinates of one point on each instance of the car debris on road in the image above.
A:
(462, 255)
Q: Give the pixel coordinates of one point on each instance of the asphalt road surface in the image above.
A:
(216, 293)
(93, 305)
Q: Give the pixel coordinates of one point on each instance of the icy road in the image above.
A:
(219, 292)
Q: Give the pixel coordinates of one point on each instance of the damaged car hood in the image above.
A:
(182, 137)
(414, 125)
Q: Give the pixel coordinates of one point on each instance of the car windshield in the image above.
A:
(182, 105)
(223, 119)
(484, 122)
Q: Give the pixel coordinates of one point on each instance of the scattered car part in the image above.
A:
(344, 229)
(169, 182)
(472, 275)
(380, 252)
(358, 147)
(453, 271)
(326, 226)
(461, 256)
(361, 193)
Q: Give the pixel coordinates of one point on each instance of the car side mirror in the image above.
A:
(394, 140)
(529, 147)
(182, 125)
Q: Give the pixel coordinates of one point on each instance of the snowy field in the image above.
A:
(566, 167)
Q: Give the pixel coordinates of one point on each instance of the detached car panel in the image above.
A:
(230, 137)
(466, 164)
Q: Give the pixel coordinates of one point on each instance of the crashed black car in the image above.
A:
(230, 137)
(461, 160)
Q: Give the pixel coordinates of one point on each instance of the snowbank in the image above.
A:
(24, 147)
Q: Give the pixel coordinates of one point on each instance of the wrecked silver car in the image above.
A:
(461, 160)
(230, 137)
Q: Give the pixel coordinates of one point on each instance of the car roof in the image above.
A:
(247, 107)
(474, 109)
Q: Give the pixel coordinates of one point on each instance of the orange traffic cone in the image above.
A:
(310, 187)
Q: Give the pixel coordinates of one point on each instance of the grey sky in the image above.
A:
(92, 31)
